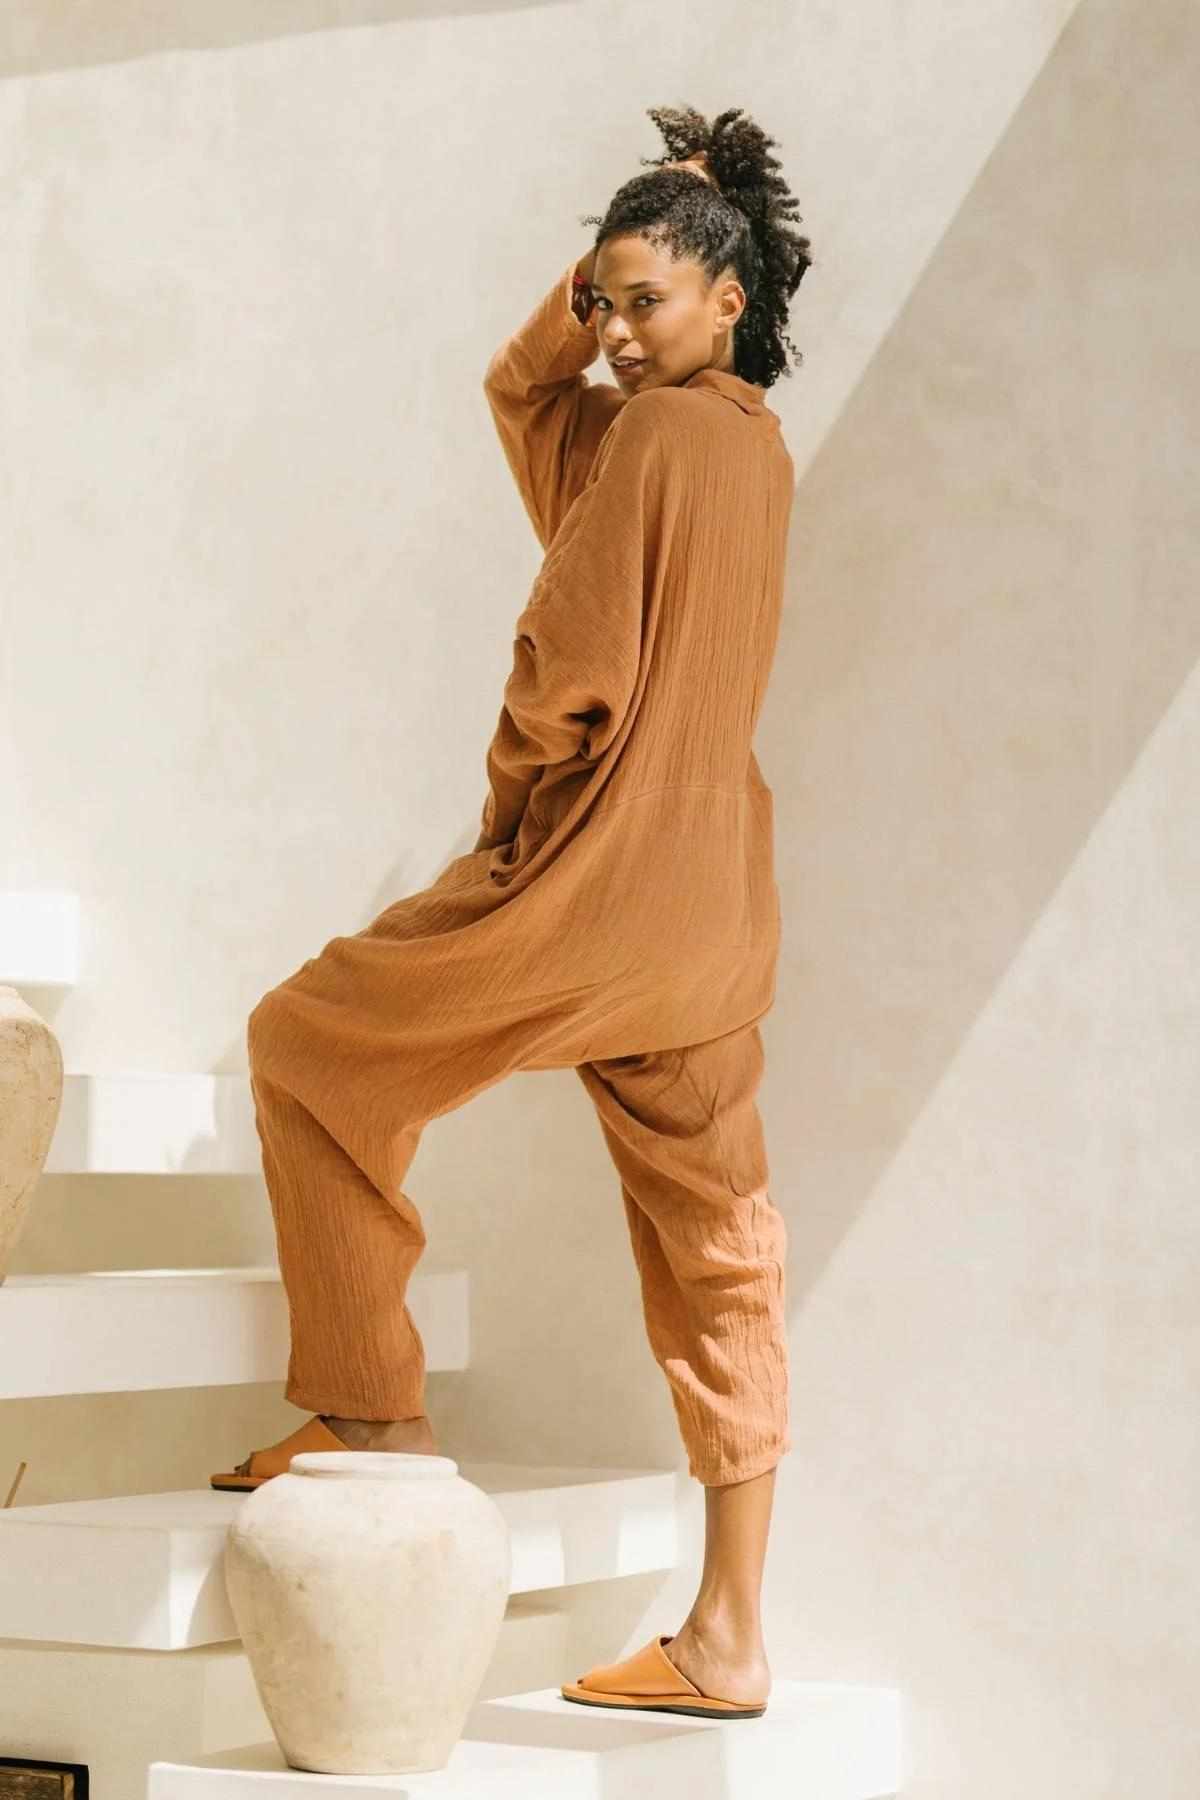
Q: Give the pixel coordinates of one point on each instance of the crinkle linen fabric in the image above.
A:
(626, 924)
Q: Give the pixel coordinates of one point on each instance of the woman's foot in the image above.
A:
(412, 1435)
(723, 1663)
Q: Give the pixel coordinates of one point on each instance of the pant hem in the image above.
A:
(346, 1406)
(732, 1473)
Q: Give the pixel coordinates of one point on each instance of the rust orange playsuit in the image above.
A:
(626, 924)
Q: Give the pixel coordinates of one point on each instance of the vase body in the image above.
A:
(31, 1086)
(369, 1588)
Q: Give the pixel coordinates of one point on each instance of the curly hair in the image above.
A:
(739, 224)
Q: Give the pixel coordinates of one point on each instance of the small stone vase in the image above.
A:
(368, 1588)
(31, 1087)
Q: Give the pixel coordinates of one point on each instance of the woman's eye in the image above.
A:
(653, 299)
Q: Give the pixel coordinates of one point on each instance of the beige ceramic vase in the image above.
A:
(368, 1588)
(31, 1086)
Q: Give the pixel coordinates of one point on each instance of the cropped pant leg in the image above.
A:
(348, 1063)
(348, 1243)
(685, 1133)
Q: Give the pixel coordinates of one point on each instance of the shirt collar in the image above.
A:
(746, 394)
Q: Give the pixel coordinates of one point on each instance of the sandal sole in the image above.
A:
(635, 1703)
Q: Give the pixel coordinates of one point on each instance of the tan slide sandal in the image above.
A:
(649, 1682)
(261, 1465)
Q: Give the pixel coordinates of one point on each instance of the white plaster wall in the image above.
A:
(261, 557)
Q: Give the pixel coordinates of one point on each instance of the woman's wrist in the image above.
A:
(582, 298)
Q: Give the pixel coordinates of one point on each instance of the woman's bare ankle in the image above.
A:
(723, 1632)
(383, 1434)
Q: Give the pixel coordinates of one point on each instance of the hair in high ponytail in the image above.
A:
(741, 224)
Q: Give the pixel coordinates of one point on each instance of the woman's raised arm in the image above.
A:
(549, 418)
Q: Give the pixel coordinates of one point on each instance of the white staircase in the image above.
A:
(144, 1572)
(117, 1642)
(127, 1330)
(814, 1742)
(118, 1648)
(39, 939)
(139, 1123)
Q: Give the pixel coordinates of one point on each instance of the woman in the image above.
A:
(619, 913)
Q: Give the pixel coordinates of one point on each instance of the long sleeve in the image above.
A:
(578, 642)
(550, 419)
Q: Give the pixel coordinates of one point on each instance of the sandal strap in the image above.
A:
(314, 1434)
(648, 1671)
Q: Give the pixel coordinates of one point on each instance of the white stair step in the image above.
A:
(39, 939)
(146, 1571)
(126, 1330)
(118, 1710)
(817, 1740)
(144, 1123)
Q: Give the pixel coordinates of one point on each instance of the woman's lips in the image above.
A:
(628, 369)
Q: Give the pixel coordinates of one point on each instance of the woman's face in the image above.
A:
(653, 308)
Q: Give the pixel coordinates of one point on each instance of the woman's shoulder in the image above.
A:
(671, 418)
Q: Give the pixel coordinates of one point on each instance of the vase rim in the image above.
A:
(373, 1465)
